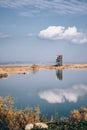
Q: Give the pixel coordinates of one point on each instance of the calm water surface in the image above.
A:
(53, 91)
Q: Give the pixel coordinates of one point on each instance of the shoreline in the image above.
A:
(23, 69)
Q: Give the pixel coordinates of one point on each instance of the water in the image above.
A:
(51, 90)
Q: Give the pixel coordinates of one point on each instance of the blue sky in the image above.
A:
(37, 30)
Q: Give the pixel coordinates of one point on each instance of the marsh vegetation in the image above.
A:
(13, 119)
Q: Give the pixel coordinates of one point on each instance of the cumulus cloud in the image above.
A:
(58, 6)
(3, 36)
(65, 94)
(62, 33)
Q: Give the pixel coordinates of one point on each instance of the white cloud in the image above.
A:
(58, 6)
(60, 33)
(30, 13)
(26, 14)
(30, 34)
(3, 36)
(65, 94)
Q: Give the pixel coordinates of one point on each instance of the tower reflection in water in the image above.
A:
(59, 74)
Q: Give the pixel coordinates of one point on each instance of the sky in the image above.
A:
(35, 31)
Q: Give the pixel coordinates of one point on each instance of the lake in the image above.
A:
(51, 90)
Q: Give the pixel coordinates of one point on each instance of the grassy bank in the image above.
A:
(13, 119)
(9, 70)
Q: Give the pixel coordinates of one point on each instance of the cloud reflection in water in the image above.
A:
(61, 95)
